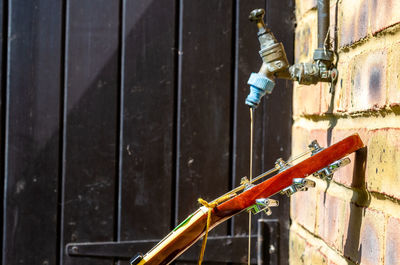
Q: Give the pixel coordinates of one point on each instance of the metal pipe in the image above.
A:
(276, 65)
(323, 24)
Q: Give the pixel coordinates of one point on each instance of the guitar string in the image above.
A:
(250, 177)
(263, 175)
(239, 188)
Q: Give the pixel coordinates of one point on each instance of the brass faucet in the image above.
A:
(276, 65)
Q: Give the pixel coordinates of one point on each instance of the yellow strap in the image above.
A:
(210, 207)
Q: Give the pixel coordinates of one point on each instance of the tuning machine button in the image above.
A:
(327, 172)
(299, 184)
(315, 147)
(263, 204)
(246, 183)
(281, 164)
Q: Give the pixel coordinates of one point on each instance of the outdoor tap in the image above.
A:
(274, 59)
(275, 64)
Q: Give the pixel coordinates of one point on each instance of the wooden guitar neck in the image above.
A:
(193, 228)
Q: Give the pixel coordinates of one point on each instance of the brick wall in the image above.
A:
(356, 217)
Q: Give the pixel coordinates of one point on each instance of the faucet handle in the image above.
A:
(257, 15)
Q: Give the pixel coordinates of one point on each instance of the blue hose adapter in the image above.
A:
(259, 86)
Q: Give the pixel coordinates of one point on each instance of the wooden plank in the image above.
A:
(277, 131)
(32, 132)
(248, 61)
(148, 116)
(205, 103)
(90, 124)
(3, 63)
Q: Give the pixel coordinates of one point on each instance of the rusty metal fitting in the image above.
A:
(323, 55)
(271, 51)
(312, 73)
(275, 63)
(274, 57)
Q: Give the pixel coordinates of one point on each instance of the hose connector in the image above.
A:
(259, 86)
(274, 59)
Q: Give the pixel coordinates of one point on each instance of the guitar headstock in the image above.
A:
(291, 176)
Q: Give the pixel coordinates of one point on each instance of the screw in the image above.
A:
(74, 249)
(272, 249)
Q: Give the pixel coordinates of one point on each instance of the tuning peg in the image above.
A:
(315, 147)
(299, 184)
(327, 172)
(244, 181)
(281, 164)
(263, 204)
(267, 202)
(307, 183)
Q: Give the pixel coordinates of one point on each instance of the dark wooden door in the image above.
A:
(117, 115)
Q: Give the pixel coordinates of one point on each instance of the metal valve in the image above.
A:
(257, 15)
(299, 184)
(274, 59)
(263, 204)
(275, 63)
(271, 51)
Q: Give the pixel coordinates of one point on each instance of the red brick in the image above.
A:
(307, 100)
(353, 21)
(327, 100)
(351, 240)
(320, 135)
(364, 237)
(384, 14)
(346, 175)
(304, 42)
(392, 249)
(383, 166)
(301, 140)
(371, 237)
(393, 75)
(302, 251)
(317, 257)
(303, 207)
(339, 134)
(352, 175)
(297, 248)
(342, 87)
(302, 6)
(331, 219)
(368, 81)
(338, 260)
